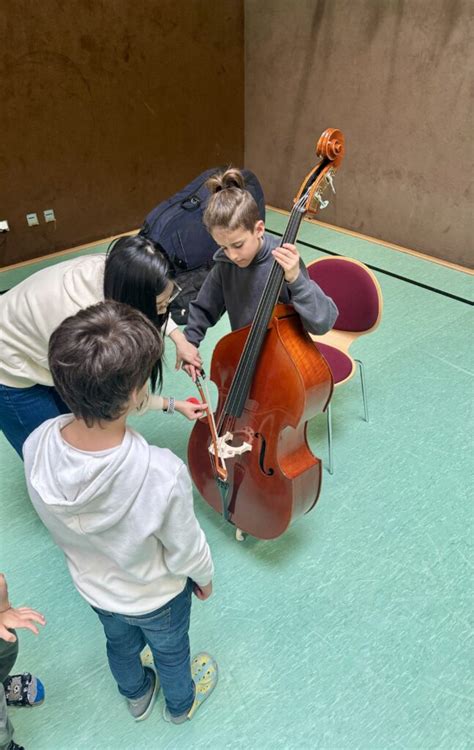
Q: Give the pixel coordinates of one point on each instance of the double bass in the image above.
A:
(251, 460)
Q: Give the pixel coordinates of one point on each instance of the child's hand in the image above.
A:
(289, 259)
(202, 592)
(189, 409)
(23, 617)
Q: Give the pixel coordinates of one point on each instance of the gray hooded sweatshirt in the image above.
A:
(239, 290)
(123, 517)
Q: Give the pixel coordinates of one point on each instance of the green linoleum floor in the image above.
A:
(373, 253)
(351, 631)
(11, 276)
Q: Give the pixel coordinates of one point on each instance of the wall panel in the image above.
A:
(394, 76)
(109, 106)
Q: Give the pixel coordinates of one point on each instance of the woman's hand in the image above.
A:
(192, 371)
(190, 409)
(289, 259)
(185, 352)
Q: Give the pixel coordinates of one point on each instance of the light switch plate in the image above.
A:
(32, 220)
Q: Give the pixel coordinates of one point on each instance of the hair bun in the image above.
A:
(231, 178)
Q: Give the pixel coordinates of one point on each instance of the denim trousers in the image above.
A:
(8, 654)
(166, 631)
(22, 410)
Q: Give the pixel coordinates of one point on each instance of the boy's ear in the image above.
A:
(260, 227)
(138, 397)
(135, 397)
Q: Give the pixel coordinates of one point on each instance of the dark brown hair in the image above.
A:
(99, 356)
(136, 272)
(231, 205)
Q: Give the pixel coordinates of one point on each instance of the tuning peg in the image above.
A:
(322, 204)
(331, 181)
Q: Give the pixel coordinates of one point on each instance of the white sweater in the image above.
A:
(31, 311)
(123, 517)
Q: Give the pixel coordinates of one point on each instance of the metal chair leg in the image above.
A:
(364, 390)
(329, 424)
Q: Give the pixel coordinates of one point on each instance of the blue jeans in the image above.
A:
(22, 410)
(166, 632)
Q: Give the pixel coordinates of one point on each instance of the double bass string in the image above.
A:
(241, 383)
(238, 391)
(242, 378)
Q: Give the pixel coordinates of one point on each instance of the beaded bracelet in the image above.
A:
(170, 407)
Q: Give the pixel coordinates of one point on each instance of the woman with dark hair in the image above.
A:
(133, 271)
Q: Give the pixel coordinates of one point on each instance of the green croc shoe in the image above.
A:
(204, 673)
(147, 657)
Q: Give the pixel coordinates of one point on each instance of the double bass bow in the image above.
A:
(251, 460)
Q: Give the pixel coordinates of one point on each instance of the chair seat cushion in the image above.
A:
(340, 364)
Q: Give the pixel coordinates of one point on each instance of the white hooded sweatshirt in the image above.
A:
(123, 517)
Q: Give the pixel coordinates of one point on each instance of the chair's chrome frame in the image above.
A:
(329, 414)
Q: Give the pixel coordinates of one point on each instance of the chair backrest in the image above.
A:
(354, 289)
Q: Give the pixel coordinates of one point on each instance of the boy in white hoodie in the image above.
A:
(122, 510)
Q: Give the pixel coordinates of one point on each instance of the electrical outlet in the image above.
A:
(32, 220)
(4, 226)
(49, 215)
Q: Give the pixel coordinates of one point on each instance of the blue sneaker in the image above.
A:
(23, 690)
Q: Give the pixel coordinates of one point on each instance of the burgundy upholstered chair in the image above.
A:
(358, 296)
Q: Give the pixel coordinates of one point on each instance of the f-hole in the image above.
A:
(261, 459)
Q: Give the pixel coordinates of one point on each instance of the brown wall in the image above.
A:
(107, 107)
(393, 75)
